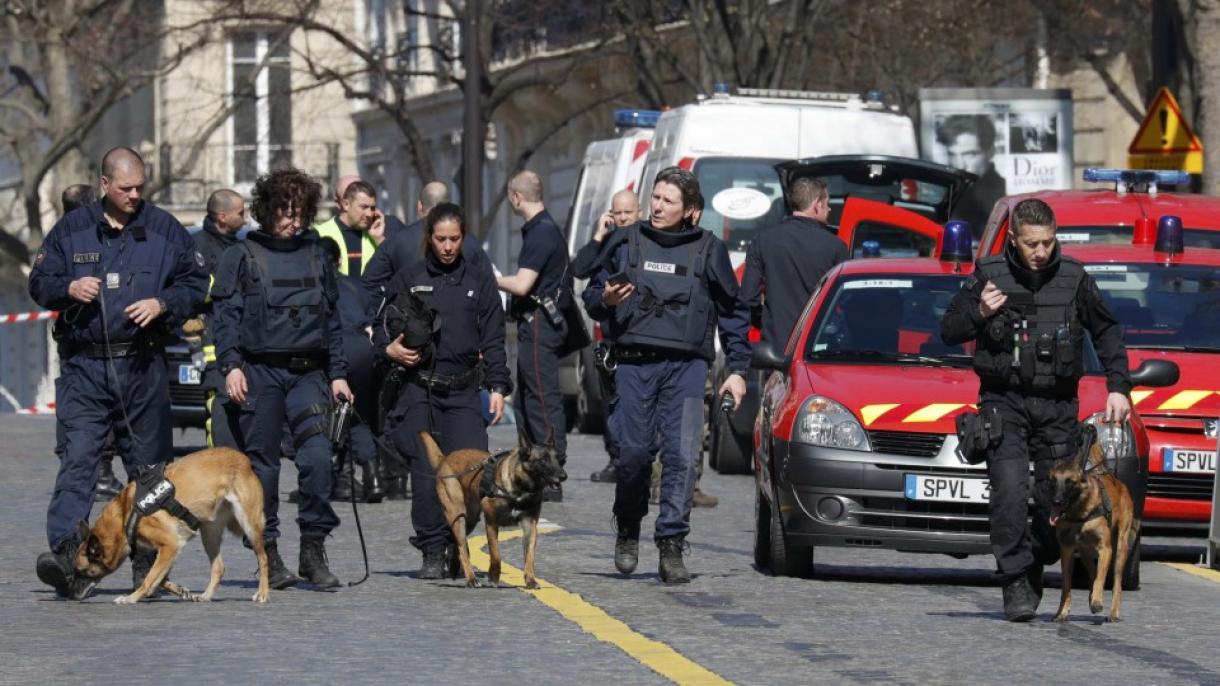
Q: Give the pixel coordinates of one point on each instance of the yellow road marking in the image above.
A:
(655, 655)
(870, 413)
(1138, 397)
(932, 412)
(1206, 573)
(1184, 400)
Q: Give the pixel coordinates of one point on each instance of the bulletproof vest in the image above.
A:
(1036, 341)
(671, 308)
(285, 309)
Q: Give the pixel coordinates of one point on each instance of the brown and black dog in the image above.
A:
(219, 487)
(517, 481)
(1091, 511)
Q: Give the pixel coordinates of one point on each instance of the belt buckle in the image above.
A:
(298, 364)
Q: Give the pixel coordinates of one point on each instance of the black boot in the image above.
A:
(374, 492)
(627, 548)
(341, 490)
(313, 563)
(57, 568)
(396, 488)
(434, 564)
(1020, 602)
(606, 475)
(277, 572)
(1034, 575)
(672, 569)
(141, 565)
(108, 485)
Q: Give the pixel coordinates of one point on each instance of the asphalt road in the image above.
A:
(866, 616)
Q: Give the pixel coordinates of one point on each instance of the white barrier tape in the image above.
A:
(48, 408)
(27, 317)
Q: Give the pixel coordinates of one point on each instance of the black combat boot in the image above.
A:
(108, 485)
(374, 491)
(1034, 575)
(57, 568)
(627, 547)
(313, 562)
(671, 569)
(396, 488)
(434, 564)
(277, 572)
(141, 565)
(605, 475)
(1020, 603)
(341, 490)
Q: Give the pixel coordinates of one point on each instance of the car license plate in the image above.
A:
(1188, 461)
(188, 375)
(947, 489)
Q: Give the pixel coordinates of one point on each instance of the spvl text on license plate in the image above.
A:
(1188, 461)
(188, 375)
(947, 489)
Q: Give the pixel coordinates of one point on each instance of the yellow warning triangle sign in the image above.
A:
(1164, 130)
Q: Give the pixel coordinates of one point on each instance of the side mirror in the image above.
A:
(1155, 374)
(765, 356)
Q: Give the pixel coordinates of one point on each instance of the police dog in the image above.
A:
(219, 487)
(1092, 511)
(517, 481)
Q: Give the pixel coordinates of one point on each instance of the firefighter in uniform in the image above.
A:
(1028, 310)
(278, 339)
(667, 287)
(122, 272)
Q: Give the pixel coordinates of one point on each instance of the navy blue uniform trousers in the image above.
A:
(90, 404)
(539, 397)
(276, 394)
(669, 391)
(456, 422)
(361, 378)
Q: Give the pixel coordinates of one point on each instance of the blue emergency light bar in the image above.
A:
(871, 249)
(1129, 177)
(956, 245)
(643, 119)
(1169, 235)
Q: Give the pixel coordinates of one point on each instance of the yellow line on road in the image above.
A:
(1206, 573)
(655, 655)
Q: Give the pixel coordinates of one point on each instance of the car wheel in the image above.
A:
(762, 531)
(784, 558)
(728, 454)
(589, 415)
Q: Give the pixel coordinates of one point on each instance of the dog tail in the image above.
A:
(435, 456)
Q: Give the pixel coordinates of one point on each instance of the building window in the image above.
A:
(262, 120)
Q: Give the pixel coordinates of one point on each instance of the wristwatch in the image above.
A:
(226, 368)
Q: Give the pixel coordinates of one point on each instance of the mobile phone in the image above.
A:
(619, 279)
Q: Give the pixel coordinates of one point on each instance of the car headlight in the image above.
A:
(824, 422)
(1117, 440)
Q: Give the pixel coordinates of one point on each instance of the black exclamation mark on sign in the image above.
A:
(1164, 127)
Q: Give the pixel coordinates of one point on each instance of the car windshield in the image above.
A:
(1163, 306)
(736, 216)
(1121, 235)
(886, 319)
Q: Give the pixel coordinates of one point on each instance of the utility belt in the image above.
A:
(633, 355)
(293, 362)
(444, 383)
(530, 306)
(112, 351)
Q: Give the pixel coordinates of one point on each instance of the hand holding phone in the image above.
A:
(618, 279)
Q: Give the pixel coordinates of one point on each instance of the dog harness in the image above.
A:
(1105, 509)
(488, 487)
(155, 492)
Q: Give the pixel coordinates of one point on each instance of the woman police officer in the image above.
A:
(441, 393)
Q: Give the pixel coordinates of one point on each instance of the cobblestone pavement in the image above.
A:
(866, 616)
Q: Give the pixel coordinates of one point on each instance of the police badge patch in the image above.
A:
(199, 259)
(40, 256)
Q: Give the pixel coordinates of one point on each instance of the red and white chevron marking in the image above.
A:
(27, 317)
(48, 408)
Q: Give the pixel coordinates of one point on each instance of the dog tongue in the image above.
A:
(1053, 519)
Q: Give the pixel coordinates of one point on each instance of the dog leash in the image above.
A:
(339, 436)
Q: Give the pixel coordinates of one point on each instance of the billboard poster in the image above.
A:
(1016, 140)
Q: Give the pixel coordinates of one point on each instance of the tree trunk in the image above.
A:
(1207, 76)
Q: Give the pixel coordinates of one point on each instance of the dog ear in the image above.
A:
(82, 530)
(93, 549)
(523, 438)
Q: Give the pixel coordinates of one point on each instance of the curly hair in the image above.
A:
(289, 190)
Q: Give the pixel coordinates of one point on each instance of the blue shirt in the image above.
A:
(543, 250)
(151, 257)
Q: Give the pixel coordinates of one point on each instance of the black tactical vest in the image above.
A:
(1036, 342)
(285, 309)
(671, 308)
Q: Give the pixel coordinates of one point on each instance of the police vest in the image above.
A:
(285, 309)
(1036, 342)
(671, 308)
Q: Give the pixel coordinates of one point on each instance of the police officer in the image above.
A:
(358, 227)
(541, 290)
(1029, 310)
(278, 338)
(121, 271)
(356, 312)
(786, 261)
(441, 393)
(226, 214)
(673, 287)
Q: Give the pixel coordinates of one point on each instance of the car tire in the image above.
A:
(589, 414)
(784, 558)
(762, 531)
(727, 453)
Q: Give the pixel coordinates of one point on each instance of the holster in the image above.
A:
(977, 434)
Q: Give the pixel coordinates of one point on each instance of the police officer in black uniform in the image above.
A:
(226, 214)
(1028, 310)
(441, 390)
(542, 291)
(667, 287)
(122, 272)
(278, 338)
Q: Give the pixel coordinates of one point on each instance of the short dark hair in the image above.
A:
(122, 156)
(77, 195)
(699, 203)
(221, 201)
(1032, 211)
(445, 211)
(358, 188)
(980, 125)
(331, 249)
(805, 191)
(685, 181)
(285, 189)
